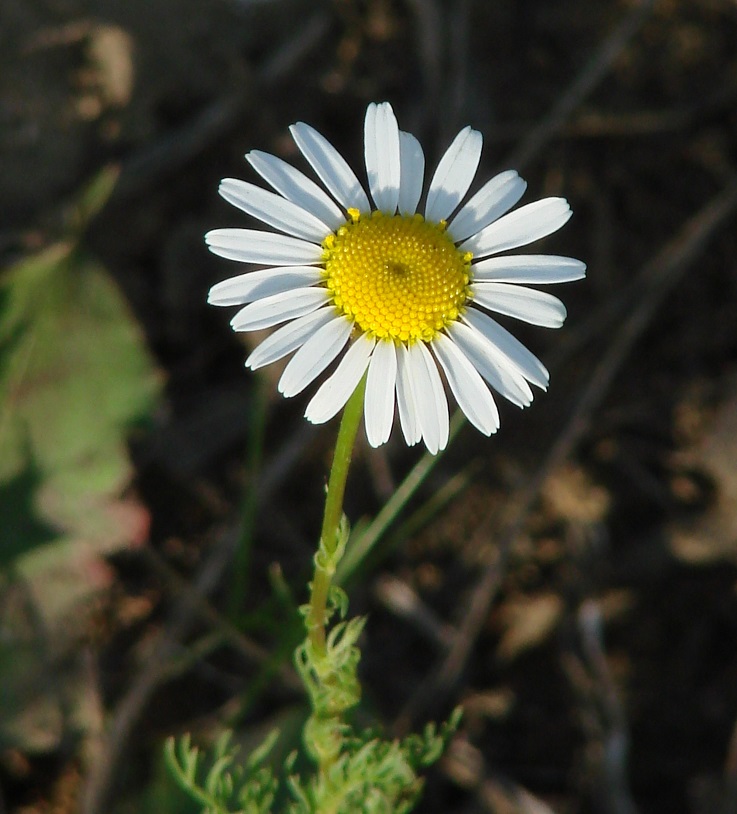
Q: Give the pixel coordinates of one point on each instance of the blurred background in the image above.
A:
(572, 582)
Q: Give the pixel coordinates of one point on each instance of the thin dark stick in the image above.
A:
(99, 782)
(593, 72)
(729, 804)
(612, 790)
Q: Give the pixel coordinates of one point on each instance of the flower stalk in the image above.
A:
(404, 300)
(326, 561)
(328, 662)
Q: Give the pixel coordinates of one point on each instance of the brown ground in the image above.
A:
(575, 585)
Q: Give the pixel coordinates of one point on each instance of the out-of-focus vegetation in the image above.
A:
(76, 379)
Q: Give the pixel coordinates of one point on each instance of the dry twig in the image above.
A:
(603, 716)
(729, 805)
(99, 782)
(592, 74)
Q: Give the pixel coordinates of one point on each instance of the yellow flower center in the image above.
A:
(397, 277)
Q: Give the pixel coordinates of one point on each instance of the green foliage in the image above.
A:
(330, 673)
(224, 786)
(354, 772)
(162, 793)
(75, 378)
(371, 775)
(331, 680)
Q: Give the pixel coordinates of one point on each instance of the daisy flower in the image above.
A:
(391, 290)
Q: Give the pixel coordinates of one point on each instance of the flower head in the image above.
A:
(398, 294)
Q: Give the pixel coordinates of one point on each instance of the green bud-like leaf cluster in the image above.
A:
(369, 776)
(224, 786)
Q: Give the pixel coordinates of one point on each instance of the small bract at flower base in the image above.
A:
(388, 291)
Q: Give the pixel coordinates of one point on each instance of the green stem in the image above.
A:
(363, 543)
(323, 576)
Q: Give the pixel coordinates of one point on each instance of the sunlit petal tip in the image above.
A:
(269, 248)
(520, 227)
(330, 167)
(406, 404)
(470, 392)
(278, 308)
(256, 285)
(412, 173)
(274, 210)
(430, 399)
(520, 302)
(379, 398)
(288, 338)
(381, 137)
(454, 174)
(313, 357)
(529, 268)
(295, 186)
(335, 391)
(516, 356)
(494, 199)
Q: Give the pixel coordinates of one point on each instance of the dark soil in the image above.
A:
(603, 677)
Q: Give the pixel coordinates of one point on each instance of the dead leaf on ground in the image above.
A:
(712, 536)
(527, 621)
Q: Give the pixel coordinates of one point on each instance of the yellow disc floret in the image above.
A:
(397, 277)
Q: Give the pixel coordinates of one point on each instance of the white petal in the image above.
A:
(501, 374)
(314, 356)
(518, 228)
(405, 399)
(412, 163)
(470, 392)
(430, 400)
(495, 197)
(279, 308)
(527, 304)
(273, 210)
(255, 285)
(335, 391)
(526, 362)
(381, 139)
(379, 399)
(296, 187)
(529, 268)
(331, 167)
(253, 246)
(288, 338)
(454, 175)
